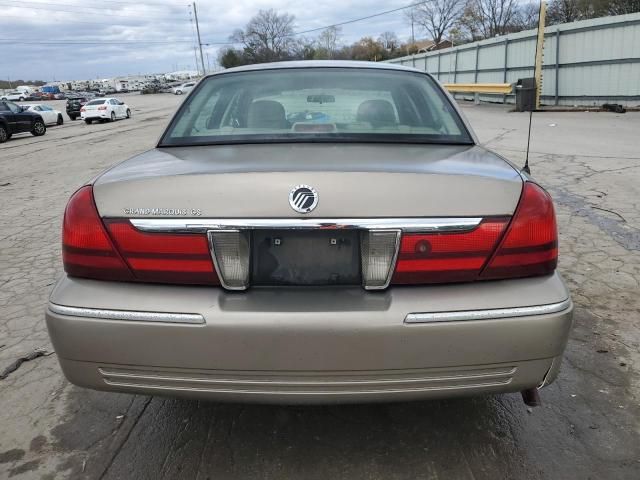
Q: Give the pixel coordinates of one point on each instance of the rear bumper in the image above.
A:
(95, 115)
(308, 345)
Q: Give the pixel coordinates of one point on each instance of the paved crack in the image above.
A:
(26, 358)
(610, 211)
(124, 441)
(618, 229)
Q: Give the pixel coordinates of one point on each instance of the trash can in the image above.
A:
(526, 95)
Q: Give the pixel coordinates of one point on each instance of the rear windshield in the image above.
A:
(96, 102)
(316, 104)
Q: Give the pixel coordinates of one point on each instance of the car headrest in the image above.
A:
(378, 113)
(267, 114)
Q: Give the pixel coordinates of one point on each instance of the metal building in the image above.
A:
(590, 62)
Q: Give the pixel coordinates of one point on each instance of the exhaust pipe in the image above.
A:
(531, 397)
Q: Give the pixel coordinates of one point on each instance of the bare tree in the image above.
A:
(527, 16)
(267, 37)
(621, 7)
(565, 11)
(328, 40)
(389, 40)
(488, 18)
(438, 16)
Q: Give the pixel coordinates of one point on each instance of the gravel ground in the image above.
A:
(588, 426)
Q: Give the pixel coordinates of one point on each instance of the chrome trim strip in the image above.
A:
(128, 315)
(163, 377)
(310, 393)
(202, 225)
(492, 314)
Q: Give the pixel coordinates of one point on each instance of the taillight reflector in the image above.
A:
(87, 250)
(163, 257)
(530, 246)
(447, 257)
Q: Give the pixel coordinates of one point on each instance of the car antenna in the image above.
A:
(538, 76)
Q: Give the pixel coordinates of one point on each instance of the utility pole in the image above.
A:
(195, 15)
(195, 56)
(413, 37)
(412, 19)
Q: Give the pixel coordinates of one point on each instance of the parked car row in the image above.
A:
(104, 109)
(15, 118)
(15, 95)
(34, 118)
(50, 115)
(184, 88)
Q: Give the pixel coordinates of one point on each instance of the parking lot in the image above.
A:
(588, 426)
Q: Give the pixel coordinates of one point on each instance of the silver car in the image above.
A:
(312, 232)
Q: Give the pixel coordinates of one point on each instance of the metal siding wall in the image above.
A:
(491, 56)
(612, 41)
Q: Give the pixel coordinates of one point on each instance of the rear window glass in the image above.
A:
(96, 102)
(316, 104)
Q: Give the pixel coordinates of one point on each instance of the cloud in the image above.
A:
(80, 39)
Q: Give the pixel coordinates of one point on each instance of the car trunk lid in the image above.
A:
(254, 181)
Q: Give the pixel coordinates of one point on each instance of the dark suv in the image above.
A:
(15, 119)
(74, 104)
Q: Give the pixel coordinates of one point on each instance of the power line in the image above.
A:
(102, 14)
(72, 20)
(146, 3)
(18, 41)
(84, 6)
(386, 12)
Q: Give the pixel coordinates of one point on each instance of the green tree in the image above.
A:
(231, 57)
(368, 49)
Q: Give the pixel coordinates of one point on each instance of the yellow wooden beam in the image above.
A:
(503, 88)
(540, 52)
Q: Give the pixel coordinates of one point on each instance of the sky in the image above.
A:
(85, 39)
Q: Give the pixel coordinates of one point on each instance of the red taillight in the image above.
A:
(87, 250)
(120, 252)
(447, 257)
(527, 247)
(530, 246)
(103, 107)
(161, 257)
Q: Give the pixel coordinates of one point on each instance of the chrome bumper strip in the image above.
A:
(202, 225)
(487, 314)
(135, 316)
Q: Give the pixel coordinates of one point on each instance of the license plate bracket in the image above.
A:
(305, 257)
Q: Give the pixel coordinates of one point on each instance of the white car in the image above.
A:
(48, 114)
(184, 88)
(104, 109)
(15, 95)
